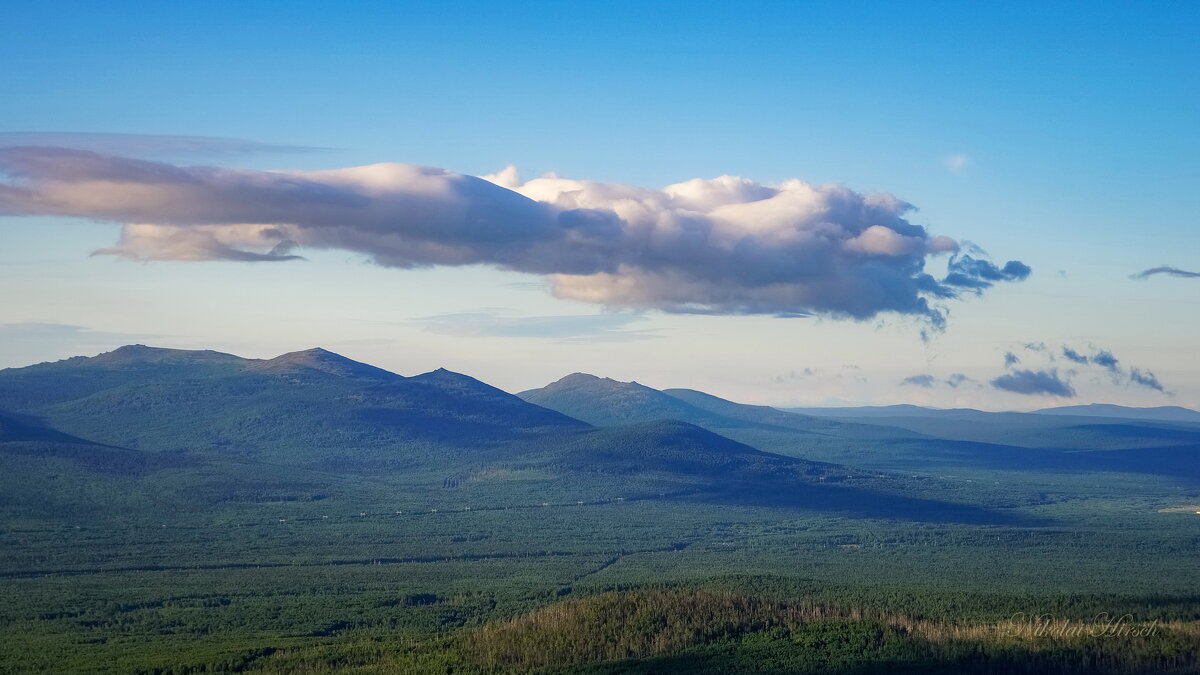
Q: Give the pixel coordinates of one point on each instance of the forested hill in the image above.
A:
(603, 401)
(302, 405)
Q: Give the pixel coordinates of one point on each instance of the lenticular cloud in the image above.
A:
(725, 246)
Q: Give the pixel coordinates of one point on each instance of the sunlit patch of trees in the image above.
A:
(739, 631)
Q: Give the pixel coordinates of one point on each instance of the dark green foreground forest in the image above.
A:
(187, 512)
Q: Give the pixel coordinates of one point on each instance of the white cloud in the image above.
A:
(724, 245)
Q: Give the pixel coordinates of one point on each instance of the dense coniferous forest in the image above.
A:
(168, 511)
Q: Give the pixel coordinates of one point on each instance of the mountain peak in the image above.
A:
(140, 353)
(325, 361)
(132, 350)
(315, 350)
(444, 375)
(602, 400)
(581, 377)
(450, 381)
(585, 380)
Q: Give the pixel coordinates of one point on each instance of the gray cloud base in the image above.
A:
(1048, 381)
(726, 245)
(1166, 270)
(918, 381)
(1031, 382)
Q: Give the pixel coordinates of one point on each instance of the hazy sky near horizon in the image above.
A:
(1060, 136)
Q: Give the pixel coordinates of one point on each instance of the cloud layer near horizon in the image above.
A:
(145, 146)
(1049, 382)
(1030, 382)
(1167, 270)
(726, 245)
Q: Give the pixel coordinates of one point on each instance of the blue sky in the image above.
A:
(1062, 135)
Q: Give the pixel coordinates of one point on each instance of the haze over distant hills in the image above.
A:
(901, 437)
(1166, 413)
(603, 401)
(899, 410)
(1072, 427)
(1154, 414)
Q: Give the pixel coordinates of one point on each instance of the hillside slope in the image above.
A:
(303, 407)
(606, 402)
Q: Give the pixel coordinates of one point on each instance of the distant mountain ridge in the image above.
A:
(603, 401)
(318, 409)
(137, 410)
(1166, 413)
(606, 402)
(218, 427)
(312, 403)
(902, 409)
(324, 361)
(142, 354)
(1109, 410)
(1095, 427)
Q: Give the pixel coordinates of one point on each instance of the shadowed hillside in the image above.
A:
(305, 406)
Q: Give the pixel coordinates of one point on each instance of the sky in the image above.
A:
(940, 203)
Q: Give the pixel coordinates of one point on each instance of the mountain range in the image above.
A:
(237, 421)
(312, 422)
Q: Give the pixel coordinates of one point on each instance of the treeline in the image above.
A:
(697, 630)
(729, 632)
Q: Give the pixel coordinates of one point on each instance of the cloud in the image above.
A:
(591, 327)
(33, 342)
(1105, 359)
(817, 380)
(1074, 356)
(918, 381)
(527, 285)
(1146, 379)
(1096, 356)
(37, 331)
(147, 146)
(793, 375)
(1167, 270)
(957, 379)
(956, 163)
(1011, 359)
(722, 246)
(150, 242)
(1034, 383)
(978, 274)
